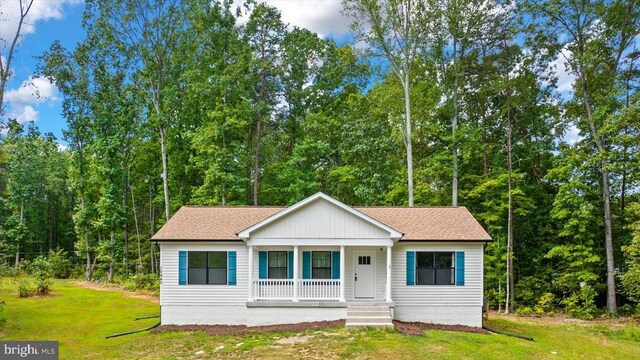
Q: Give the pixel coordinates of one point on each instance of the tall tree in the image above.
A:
(593, 36)
(395, 30)
(265, 33)
(147, 30)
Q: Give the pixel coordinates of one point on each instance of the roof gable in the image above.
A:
(319, 216)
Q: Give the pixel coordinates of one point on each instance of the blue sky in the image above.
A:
(50, 20)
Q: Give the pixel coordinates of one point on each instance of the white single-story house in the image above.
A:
(321, 260)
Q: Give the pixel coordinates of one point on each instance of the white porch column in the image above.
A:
(342, 272)
(388, 292)
(296, 263)
(250, 273)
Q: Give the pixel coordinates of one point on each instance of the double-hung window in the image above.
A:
(207, 267)
(321, 265)
(435, 268)
(278, 262)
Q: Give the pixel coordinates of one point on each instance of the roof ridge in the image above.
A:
(235, 206)
(411, 207)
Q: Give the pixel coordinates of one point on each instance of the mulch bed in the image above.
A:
(417, 328)
(243, 329)
(407, 328)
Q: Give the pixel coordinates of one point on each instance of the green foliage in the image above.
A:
(546, 304)
(581, 304)
(630, 279)
(26, 287)
(60, 264)
(145, 282)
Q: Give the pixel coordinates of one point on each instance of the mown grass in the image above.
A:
(80, 318)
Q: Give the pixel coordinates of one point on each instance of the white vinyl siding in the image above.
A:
(173, 294)
(320, 220)
(468, 294)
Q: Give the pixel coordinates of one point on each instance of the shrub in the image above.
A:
(60, 264)
(581, 304)
(26, 288)
(524, 310)
(42, 271)
(546, 304)
(149, 282)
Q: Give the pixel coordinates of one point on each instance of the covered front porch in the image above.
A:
(320, 275)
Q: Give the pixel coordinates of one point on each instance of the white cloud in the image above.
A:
(24, 114)
(21, 102)
(320, 16)
(41, 10)
(34, 90)
(566, 78)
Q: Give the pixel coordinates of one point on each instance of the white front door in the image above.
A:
(364, 274)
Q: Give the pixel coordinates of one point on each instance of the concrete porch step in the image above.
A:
(351, 313)
(359, 316)
(372, 325)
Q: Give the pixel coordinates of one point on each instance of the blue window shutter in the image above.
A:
(460, 268)
(335, 264)
(262, 265)
(231, 268)
(306, 264)
(290, 265)
(411, 268)
(182, 268)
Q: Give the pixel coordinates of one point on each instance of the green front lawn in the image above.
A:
(80, 318)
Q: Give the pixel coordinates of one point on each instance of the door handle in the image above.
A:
(356, 277)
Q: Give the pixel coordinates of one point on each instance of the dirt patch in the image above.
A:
(294, 340)
(242, 329)
(113, 287)
(417, 328)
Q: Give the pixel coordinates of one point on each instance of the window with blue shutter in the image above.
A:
(231, 268)
(306, 264)
(335, 264)
(262, 265)
(182, 268)
(411, 268)
(460, 268)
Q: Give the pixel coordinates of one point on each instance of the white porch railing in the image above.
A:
(319, 289)
(308, 289)
(273, 289)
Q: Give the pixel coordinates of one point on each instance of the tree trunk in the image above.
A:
(125, 230)
(454, 128)
(256, 164)
(152, 227)
(407, 107)
(111, 255)
(510, 282)
(606, 189)
(20, 237)
(165, 172)
(135, 220)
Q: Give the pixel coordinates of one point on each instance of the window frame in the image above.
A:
(207, 268)
(286, 267)
(435, 268)
(323, 267)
